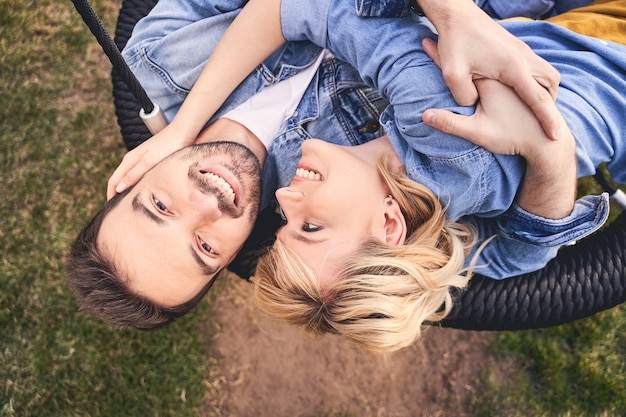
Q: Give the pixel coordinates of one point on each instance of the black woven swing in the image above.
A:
(582, 280)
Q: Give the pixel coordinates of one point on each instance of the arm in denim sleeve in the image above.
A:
(388, 55)
(383, 8)
(523, 242)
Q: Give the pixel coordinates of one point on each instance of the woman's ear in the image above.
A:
(395, 223)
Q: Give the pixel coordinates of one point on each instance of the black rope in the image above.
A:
(582, 280)
(113, 53)
(604, 182)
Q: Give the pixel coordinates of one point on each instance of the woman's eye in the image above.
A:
(309, 228)
(208, 249)
(159, 205)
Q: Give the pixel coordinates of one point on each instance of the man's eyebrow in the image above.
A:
(206, 269)
(139, 207)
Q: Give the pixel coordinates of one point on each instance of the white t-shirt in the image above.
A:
(266, 111)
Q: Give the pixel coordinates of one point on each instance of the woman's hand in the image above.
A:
(473, 46)
(141, 159)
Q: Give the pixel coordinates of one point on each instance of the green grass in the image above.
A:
(578, 369)
(573, 370)
(59, 142)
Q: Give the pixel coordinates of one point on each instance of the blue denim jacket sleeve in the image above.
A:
(382, 8)
(153, 52)
(523, 242)
(498, 9)
(386, 53)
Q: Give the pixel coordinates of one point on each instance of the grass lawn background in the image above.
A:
(59, 142)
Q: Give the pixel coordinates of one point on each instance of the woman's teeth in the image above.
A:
(305, 173)
(221, 183)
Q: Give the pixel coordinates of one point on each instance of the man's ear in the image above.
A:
(395, 223)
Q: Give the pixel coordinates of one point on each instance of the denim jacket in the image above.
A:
(498, 9)
(475, 185)
(153, 52)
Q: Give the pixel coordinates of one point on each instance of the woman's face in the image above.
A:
(336, 201)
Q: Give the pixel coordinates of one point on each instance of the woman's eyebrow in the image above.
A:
(302, 238)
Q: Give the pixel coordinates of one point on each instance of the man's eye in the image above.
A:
(159, 205)
(310, 228)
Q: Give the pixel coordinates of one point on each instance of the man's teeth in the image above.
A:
(305, 173)
(222, 183)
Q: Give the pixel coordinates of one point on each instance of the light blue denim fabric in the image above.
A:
(473, 183)
(169, 48)
(534, 9)
(498, 9)
(382, 8)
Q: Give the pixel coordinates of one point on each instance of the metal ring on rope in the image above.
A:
(582, 280)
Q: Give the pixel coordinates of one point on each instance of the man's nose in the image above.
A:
(206, 208)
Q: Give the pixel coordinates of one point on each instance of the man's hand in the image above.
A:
(504, 124)
(138, 161)
(473, 46)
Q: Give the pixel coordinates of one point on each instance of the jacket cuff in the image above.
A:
(588, 215)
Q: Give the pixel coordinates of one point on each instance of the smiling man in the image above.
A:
(152, 252)
(184, 221)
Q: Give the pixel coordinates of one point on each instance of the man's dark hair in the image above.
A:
(100, 287)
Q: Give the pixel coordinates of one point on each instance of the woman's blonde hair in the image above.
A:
(383, 293)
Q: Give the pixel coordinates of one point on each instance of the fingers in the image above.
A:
(430, 47)
(453, 124)
(125, 174)
(110, 190)
(548, 77)
(541, 101)
(458, 79)
(538, 87)
(462, 88)
(141, 159)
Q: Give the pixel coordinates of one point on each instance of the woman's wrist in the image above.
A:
(186, 133)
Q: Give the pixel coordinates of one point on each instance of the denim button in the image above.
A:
(370, 126)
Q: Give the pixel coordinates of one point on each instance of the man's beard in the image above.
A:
(244, 164)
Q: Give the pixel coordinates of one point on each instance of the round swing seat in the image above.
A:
(582, 280)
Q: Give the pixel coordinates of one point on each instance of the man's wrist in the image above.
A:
(549, 185)
(445, 14)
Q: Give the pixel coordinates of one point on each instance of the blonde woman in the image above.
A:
(371, 253)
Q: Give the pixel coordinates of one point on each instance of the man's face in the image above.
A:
(184, 221)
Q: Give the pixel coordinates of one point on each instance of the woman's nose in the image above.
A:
(311, 144)
(288, 195)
